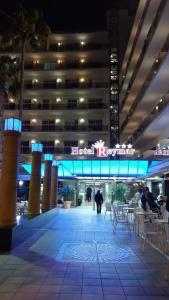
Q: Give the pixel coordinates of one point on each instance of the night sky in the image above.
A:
(73, 15)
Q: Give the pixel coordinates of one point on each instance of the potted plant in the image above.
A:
(68, 196)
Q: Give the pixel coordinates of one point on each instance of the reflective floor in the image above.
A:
(73, 254)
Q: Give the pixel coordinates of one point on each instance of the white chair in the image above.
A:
(147, 231)
(108, 208)
(119, 218)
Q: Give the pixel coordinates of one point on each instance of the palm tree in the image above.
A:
(9, 83)
(27, 29)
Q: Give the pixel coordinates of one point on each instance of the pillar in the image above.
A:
(166, 185)
(8, 181)
(47, 182)
(54, 185)
(35, 181)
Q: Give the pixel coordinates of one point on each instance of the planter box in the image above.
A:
(67, 204)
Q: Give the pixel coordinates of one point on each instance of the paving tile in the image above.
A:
(46, 296)
(153, 291)
(92, 281)
(92, 289)
(111, 282)
(115, 297)
(128, 283)
(113, 290)
(23, 296)
(134, 291)
(69, 297)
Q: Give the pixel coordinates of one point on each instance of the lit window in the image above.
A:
(58, 100)
(57, 142)
(81, 99)
(36, 62)
(34, 121)
(82, 80)
(57, 121)
(81, 121)
(58, 80)
(81, 142)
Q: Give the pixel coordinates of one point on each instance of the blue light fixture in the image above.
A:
(55, 163)
(37, 147)
(48, 157)
(12, 124)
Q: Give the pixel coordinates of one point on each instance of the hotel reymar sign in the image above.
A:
(100, 150)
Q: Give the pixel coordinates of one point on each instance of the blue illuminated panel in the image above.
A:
(105, 167)
(96, 167)
(37, 147)
(48, 156)
(114, 167)
(142, 167)
(87, 167)
(12, 124)
(123, 167)
(77, 167)
(67, 168)
(133, 166)
(54, 163)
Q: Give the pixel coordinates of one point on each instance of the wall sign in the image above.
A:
(100, 150)
(161, 152)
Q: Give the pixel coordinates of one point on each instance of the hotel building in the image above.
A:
(67, 94)
(143, 99)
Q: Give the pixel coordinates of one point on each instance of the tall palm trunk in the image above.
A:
(22, 78)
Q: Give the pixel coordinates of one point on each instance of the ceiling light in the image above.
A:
(81, 142)
(58, 80)
(82, 60)
(81, 121)
(58, 100)
(34, 100)
(35, 80)
(59, 44)
(59, 61)
(81, 99)
(33, 141)
(161, 100)
(57, 121)
(82, 79)
(82, 43)
(157, 107)
(156, 60)
(11, 100)
(57, 142)
(33, 120)
(21, 182)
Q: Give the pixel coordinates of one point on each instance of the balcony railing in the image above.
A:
(52, 85)
(62, 48)
(57, 106)
(61, 128)
(56, 66)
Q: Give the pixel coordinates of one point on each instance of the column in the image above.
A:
(47, 182)
(8, 181)
(166, 185)
(35, 181)
(54, 185)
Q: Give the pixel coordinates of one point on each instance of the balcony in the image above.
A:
(55, 66)
(61, 48)
(62, 128)
(57, 106)
(56, 86)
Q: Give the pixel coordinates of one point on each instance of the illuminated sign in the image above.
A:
(161, 152)
(100, 150)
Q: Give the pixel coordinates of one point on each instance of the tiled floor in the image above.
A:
(73, 254)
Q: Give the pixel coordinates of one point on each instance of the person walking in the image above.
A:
(148, 201)
(99, 201)
(89, 194)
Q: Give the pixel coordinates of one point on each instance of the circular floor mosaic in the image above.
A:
(93, 252)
